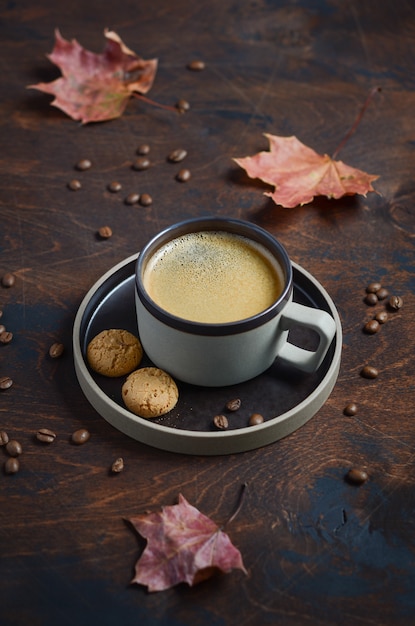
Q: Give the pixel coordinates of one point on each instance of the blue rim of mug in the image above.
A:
(230, 225)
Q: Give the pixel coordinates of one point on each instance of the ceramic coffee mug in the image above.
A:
(214, 303)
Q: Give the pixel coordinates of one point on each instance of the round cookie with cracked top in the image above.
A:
(114, 352)
(150, 392)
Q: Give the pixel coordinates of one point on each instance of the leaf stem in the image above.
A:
(238, 505)
(139, 96)
(362, 111)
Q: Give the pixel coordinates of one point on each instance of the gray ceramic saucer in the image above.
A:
(285, 397)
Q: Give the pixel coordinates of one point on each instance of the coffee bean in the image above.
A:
(5, 382)
(14, 447)
(177, 155)
(369, 372)
(2, 328)
(114, 186)
(233, 405)
(80, 436)
(142, 163)
(196, 66)
(395, 303)
(143, 149)
(183, 176)
(45, 435)
(8, 279)
(132, 198)
(357, 476)
(56, 350)
(255, 419)
(350, 409)
(6, 337)
(12, 466)
(381, 317)
(145, 199)
(83, 165)
(373, 287)
(371, 327)
(371, 299)
(105, 232)
(117, 466)
(182, 106)
(1, 313)
(221, 422)
(74, 185)
(382, 293)
(4, 438)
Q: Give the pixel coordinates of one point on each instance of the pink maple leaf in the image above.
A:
(183, 545)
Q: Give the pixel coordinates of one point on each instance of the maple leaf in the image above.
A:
(183, 545)
(299, 173)
(96, 87)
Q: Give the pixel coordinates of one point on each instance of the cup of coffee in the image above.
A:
(214, 301)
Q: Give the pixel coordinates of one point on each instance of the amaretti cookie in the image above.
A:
(114, 352)
(150, 392)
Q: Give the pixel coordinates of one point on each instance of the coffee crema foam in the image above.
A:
(213, 277)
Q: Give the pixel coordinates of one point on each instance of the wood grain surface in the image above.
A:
(318, 550)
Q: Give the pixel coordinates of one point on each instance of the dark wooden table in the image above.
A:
(318, 550)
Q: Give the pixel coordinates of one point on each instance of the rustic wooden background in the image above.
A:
(318, 550)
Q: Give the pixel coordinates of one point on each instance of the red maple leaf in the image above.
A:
(299, 173)
(183, 545)
(96, 87)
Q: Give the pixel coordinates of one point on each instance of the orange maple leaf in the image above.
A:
(183, 545)
(299, 173)
(96, 87)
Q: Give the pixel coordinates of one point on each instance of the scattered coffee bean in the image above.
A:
(233, 405)
(381, 317)
(83, 165)
(221, 422)
(196, 66)
(114, 186)
(8, 279)
(56, 350)
(371, 299)
(117, 466)
(255, 419)
(4, 438)
(80, 436)
(145, 199)
(74, 185)
(132, 198)
(357, 476)
(5, 382)
(177, 155)
(182, 106)
(373, 287)
(1, 313)
(369, 372)
(382, 293)
(183, 176)
(12, 466)
(2, 328)
(45, 435)
(6, 337)
(143, 149)
(395, 303)
(14, 447)
(350, 409)
(105, 232)
(371, 327)
(142, 163)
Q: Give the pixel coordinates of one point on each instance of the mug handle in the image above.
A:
(296, 314)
